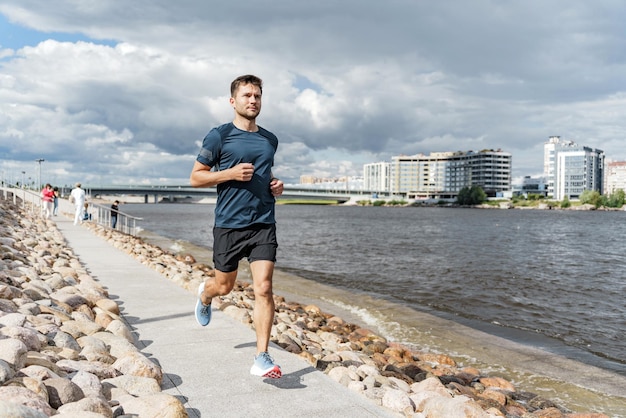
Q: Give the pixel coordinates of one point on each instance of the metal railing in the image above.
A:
(28, 199)
(96, 212)
(101, 214)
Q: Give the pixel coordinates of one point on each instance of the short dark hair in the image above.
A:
(245, 79)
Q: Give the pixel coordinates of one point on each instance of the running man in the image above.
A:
(237, 157)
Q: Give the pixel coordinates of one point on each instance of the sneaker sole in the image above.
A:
(273, 373)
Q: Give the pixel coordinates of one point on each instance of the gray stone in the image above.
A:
(399, 401)
(103, 371)
(89, 383)
(136, 364)
(28, 398)
(64, 340)
(13, 352)
(157, 405)
(135, 385)
(13, 319)
(13, 410)
(92, 404)
(28, 336)
(6, 371)
(62, 391)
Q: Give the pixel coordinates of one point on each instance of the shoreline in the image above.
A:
(570, 383)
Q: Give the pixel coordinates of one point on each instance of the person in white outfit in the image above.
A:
(77, 196)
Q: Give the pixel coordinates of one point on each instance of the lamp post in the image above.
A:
(39, 160)
(23, 189)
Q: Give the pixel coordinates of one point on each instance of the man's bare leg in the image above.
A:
(263, 315)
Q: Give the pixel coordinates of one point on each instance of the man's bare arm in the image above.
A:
(202, 176)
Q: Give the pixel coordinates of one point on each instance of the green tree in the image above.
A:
(617, 199)
(474, 195)
(592, 197)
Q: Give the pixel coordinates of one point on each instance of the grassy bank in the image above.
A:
(304, 202)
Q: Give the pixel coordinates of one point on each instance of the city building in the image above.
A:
(441, 175)
(332, 183)
(307, 179)
(530, 186)
(615, 177)
(376, 177)
(570, 168)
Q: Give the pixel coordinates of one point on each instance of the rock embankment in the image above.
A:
(413, 384)
(64, 349)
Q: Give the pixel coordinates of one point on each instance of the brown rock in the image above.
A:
(515, 410)
(109, 306)
(497, 382)
(495, 395)
(548, 413)
(437, 358)
(312, 309)
(309, 358)
(103, 319)
(471, 370)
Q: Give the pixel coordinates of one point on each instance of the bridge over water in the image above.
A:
(182, 193)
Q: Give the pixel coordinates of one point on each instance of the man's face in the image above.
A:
(247, 101)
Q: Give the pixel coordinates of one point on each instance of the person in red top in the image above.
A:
(47, 201)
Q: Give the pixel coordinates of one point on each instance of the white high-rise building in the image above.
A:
(376, 177)
(571, 169)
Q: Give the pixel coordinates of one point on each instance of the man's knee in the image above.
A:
(224, 282)
(224, 288)
(263, 289)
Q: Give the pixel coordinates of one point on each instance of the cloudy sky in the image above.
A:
(122, 92)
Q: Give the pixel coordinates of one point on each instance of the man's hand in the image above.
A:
(242, 172)
(277, 187)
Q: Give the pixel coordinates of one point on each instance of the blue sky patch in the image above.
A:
(15, 36)
(302, 83)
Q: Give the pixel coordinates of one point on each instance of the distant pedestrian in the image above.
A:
(55, 210)
(77, 196)
(47, 201)
(114, 212)
(237, 157)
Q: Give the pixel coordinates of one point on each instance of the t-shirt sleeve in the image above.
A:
(211, 149)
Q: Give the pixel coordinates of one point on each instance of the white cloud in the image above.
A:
(345, 82)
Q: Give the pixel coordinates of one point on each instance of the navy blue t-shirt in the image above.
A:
(241, 203)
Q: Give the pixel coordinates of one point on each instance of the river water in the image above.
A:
(555, 280)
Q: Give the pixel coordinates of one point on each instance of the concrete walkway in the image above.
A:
(208, 369)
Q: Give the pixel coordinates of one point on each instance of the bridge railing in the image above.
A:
(100, 214)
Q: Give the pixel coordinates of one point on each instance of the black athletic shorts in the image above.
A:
(230, 245)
